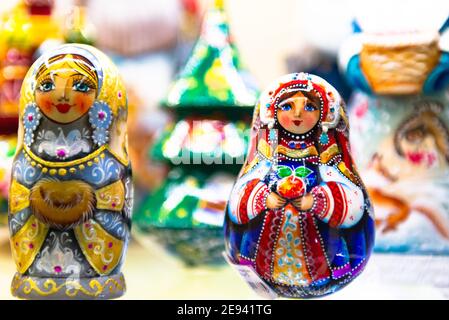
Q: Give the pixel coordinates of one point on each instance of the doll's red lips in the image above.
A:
(297, 122)
(63, 107)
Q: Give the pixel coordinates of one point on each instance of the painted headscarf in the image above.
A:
(330, 134)
(109, 108)
(330, 99)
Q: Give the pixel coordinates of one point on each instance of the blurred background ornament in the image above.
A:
(188, 30)
(7, 149)
(134, 27)
(78, 28)
(211, 103)
(322, 32)
(400, 139)
(22, 31)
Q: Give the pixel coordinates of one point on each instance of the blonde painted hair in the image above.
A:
(71, 61)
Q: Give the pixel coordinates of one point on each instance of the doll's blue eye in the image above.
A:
(309, 107)
(81, 87)
(46, 86)
(286, 107)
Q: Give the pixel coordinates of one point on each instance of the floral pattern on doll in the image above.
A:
(100, 117)
(23, 172)
(290, 259)
(58, 257)
(64, 176)
(31, 120)
(62, 146)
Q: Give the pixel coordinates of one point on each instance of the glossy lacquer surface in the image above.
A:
(71, 191)
(299, 215)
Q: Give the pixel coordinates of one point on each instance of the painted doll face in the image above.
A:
(65, 94)
(298, 113)
(419, 147)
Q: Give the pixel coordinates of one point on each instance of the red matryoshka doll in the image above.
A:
(299, 215)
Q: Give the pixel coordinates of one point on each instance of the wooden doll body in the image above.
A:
(298, 214)
(71, 190)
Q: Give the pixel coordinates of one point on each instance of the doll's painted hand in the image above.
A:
(275, 201)
(304, 203)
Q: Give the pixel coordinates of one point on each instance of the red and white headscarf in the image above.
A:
(331, 101)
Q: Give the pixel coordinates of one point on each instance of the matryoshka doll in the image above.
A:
(71, 190)
(299, 215)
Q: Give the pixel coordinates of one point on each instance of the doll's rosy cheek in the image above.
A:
(310, 119)
(284, 119)
(83, 102)
(44, 101)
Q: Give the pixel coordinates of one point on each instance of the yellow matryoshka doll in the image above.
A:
(71, 191)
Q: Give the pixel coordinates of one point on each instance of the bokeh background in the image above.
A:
(150, 40)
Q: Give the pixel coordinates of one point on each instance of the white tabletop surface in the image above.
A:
(151, 273)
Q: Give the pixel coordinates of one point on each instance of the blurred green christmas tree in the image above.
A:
(211, 102)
